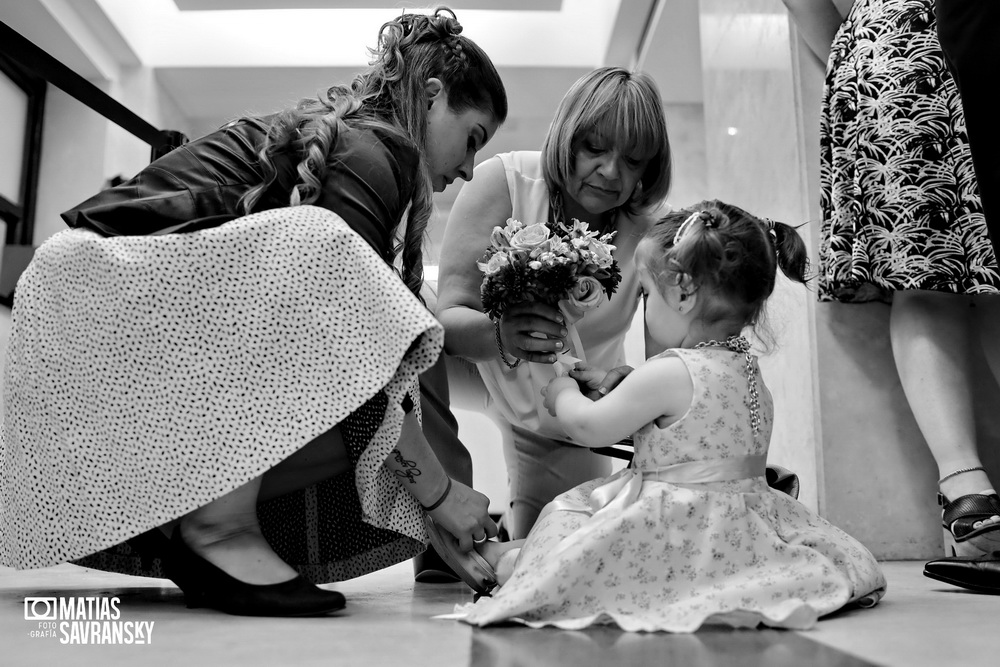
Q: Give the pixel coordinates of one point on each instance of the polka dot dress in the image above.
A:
(149, 375)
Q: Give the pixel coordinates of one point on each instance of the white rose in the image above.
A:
(530, 237)
(495, 263)
(587, 294)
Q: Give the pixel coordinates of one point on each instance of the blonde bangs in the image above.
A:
(632, 127)
(625, 109)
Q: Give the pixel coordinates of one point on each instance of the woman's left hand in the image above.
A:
(465, 514)
(555, 387)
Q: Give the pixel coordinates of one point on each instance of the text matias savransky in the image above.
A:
(84, 620)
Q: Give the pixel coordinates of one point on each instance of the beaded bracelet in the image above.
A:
(503, 353)
(431, 508)
(959, 472)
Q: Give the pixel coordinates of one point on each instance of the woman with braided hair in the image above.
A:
(220, 350)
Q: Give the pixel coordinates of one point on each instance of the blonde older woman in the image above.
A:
(605, 161)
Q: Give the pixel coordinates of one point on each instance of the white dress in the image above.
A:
(691, 534)
(148, 375)
(516, 392)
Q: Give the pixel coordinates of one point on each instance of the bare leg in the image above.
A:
(987, 323)
(501, 556)
(322, 458)
(929, 333)
(226, 531)
(986, 319)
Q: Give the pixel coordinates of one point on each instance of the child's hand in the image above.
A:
(595, 382)
(555, 387)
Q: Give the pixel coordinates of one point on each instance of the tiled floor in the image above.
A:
(389, 622)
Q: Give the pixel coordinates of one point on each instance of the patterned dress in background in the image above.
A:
(900, 204)
(648, 552)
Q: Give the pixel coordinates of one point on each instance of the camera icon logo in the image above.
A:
(40, 609)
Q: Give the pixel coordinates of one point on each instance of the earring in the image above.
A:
(637, 191)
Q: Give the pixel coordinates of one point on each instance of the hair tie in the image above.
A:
(685, 226)
(706, 217)
(770, 224)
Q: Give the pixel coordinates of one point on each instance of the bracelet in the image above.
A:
(959, 472)
(503, 353)
(447, 490)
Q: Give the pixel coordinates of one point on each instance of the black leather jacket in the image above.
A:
(369, 183)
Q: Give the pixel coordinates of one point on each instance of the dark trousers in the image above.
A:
(441, 430)
(969, 32)
(439, 424)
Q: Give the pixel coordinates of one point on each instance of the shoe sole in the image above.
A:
(977, 544)
(962, 584)
(482, 582)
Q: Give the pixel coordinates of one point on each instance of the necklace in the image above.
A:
(557, 213)
(741, 345)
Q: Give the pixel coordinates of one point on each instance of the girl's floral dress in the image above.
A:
(690, 534)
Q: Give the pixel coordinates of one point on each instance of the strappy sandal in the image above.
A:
(470, 566)
(959, 518)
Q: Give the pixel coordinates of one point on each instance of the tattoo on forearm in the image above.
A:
(410, 469)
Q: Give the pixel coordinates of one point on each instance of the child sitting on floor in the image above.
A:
(690, 533)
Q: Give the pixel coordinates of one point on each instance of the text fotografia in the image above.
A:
(84, 620)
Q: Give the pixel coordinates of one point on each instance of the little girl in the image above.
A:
(690, 533)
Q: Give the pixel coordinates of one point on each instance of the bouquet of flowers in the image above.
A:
(567, 266)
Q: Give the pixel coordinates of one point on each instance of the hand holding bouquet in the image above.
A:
(567, 266)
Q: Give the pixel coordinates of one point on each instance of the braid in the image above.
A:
(456, 56)
(389, 96)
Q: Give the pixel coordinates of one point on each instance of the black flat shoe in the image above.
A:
(205, 585)
(982, 576)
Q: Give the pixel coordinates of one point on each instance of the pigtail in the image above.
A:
(790, 250)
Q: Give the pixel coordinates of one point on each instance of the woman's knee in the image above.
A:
(321, 458)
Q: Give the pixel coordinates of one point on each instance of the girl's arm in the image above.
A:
(464, 512)
(482, 204)
(818, 21)
(660, 388)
